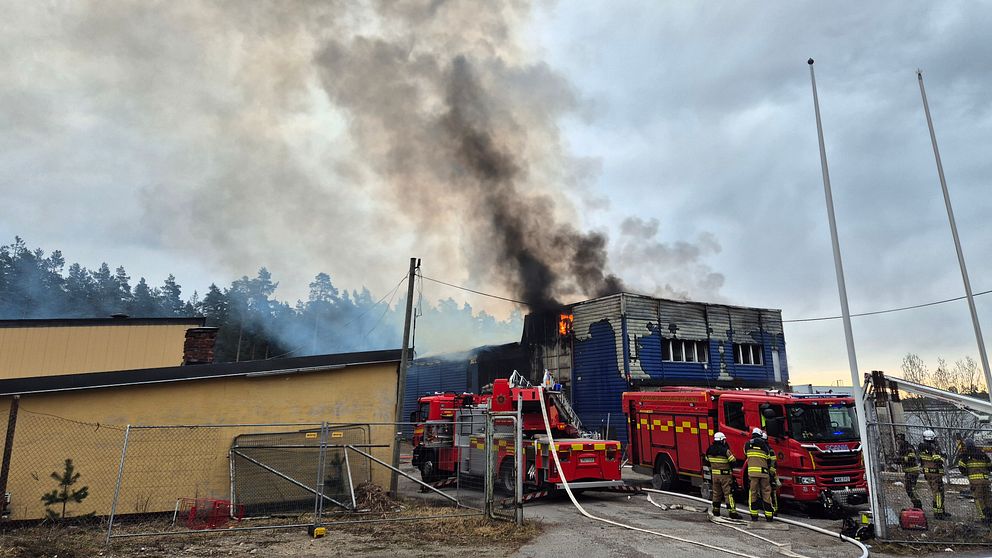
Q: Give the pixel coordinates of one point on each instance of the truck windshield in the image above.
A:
(823, 423)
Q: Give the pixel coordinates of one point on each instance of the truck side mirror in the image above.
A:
(414, 417)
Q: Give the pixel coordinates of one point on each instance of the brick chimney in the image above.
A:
(199, 345)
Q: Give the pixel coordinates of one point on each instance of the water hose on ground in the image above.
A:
(564, 482)
(855, 542)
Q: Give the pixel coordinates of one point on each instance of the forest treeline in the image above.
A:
(253, 323)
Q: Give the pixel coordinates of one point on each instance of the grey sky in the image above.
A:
(200, 140)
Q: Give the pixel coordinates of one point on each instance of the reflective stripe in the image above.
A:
(758, 454)
(757, 470)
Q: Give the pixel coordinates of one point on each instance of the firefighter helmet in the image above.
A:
(929, 435)
(756, 432)
(719, 437)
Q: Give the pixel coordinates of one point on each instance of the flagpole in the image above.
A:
(852, 359)
(957, 242)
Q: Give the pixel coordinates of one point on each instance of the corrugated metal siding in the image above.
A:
(718, 318)
(688, 317)
(585, 314)
(643, 337)
(426, 376)
(598, 384)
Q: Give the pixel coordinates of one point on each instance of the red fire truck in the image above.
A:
(447, 439)
(815, 439)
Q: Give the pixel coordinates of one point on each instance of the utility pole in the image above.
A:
(404, 362)
(859, 401)
(957, 243)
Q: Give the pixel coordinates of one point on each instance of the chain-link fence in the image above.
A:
(47, 453)
(182, 479)
(954, 508)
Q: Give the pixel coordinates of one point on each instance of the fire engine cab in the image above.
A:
(814, 437)
(447, 437)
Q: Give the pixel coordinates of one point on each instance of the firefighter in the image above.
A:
(976, 465)
(910, 468)
(721, 461)
(760, 465)
(932, 461)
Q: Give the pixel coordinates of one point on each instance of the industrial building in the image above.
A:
(599, 348)
(61, 409)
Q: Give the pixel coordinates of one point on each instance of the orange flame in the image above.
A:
(565, 324)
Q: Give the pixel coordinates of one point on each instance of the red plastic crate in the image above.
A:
(208, 513)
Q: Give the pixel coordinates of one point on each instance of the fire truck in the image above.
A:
(449, 439)
(814, 437)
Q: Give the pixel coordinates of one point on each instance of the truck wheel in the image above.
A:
(507, 480)
(664, 475)
(428, 470)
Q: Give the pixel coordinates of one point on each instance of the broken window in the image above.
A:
(748, 353)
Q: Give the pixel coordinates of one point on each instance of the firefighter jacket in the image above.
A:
(720, 458)
(760, 459)
(930, 458)
(976, 465)
(908, 459)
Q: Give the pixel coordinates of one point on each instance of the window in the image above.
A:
(748, 353)
(733, 415)
(678, 350)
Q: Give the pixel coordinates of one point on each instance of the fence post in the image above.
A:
(490, 465)
(318, 504)
(521, 462)
(117, 489)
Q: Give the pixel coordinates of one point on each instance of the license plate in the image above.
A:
(587, 460)
(842, 479)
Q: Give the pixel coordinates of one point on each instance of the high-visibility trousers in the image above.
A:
(936, 483)
(760, 489)
(910, 485)
(983, 499)
(723, 491)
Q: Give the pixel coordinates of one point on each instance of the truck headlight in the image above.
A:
(806, 480)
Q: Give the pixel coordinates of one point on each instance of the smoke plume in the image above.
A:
(316, 136)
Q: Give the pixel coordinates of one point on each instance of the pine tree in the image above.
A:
(171, 301)
(64, 493)
(143, 305)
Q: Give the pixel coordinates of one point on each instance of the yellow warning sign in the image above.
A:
(311, 435)
(337, 434)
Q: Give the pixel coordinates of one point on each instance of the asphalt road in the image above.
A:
(568, 534)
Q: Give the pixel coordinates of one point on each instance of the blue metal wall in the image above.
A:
(618, 347)
(427, 376)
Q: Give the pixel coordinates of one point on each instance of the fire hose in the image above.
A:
(855, 542)
(564, 482)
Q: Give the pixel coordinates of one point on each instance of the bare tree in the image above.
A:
(946, 419)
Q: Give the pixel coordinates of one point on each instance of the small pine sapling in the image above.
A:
(64, 493)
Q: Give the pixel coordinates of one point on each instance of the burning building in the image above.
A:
(599, 348)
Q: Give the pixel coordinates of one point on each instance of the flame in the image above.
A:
(565, 324)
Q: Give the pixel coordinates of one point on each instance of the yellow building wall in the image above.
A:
(50, 351)
(165, 464)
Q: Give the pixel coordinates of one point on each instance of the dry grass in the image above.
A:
(408, 537)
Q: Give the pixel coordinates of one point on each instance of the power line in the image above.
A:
(360, 316)
(386, 310)
(475, 291)
(798, 320)
(900, 309)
